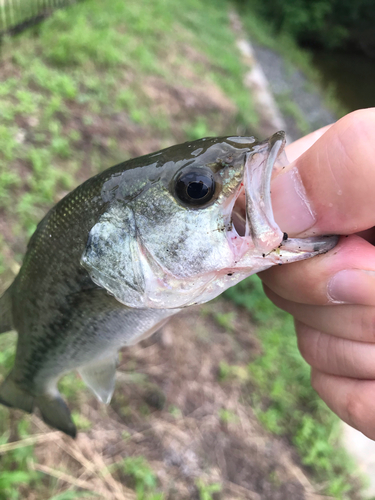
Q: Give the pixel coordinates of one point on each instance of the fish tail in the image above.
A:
(56, 413)
(52, 407)
(5, 313)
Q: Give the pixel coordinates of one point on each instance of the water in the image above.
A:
(352, 76)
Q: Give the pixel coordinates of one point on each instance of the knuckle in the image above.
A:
(367, 324)
(354, 409)
(360, 413)
(310, 344)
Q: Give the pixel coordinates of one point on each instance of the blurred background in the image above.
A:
(218, 404)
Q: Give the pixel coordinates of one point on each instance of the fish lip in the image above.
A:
(260, 221)
(261, 232)
(314, 245)
(252, 215)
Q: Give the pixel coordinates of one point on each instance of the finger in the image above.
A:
(352, 400)
(294, 150)
(336, 356)
(346, 274)
(329, 188)
(351, 322)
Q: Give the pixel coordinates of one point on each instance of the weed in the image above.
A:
(175, 411)
(227, 416)
(206, 490)
(82, 423)
(226, 320)
(8, 142)
(72, 386)
(11, 480)
(197, 130)
(232, 372)
(144, 477)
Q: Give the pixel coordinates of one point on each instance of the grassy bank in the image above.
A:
(95, 84)
(65, 82)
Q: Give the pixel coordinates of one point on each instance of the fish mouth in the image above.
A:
(252, 214)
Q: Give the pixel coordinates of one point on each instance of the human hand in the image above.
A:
(329, 188)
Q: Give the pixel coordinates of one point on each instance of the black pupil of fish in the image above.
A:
(197, 190)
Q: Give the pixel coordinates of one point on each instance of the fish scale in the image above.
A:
(130, 247)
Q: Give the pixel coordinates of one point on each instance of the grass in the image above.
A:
(143, 477)
(282, 396)
(206, 490)
(64, 82)
(91, 57)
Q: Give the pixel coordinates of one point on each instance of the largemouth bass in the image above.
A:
(130, 247)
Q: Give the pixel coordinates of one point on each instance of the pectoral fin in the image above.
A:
(100, 377)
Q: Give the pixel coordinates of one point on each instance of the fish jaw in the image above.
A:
(256, 240)
(153, 252)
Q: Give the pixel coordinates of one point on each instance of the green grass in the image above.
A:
(90, 59)
(65, 80)
(89, 63)
(282, 396)
(206, 490)
(142, 476)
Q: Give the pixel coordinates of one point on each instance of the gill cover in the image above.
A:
(113, 256)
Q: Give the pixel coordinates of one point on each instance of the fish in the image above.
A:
(129, 248)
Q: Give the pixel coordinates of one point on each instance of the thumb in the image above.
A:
(330, 187)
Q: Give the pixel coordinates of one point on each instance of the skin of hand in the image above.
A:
(329, 188)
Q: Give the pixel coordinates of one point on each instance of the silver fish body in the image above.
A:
(130, 247)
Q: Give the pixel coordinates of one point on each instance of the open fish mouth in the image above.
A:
(253, 222)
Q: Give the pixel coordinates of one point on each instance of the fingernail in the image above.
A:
(292, 210)
(352, 286)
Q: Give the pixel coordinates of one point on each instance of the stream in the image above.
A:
(352, 76)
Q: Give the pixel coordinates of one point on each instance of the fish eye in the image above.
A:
(195, 188)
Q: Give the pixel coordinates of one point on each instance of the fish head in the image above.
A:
(194, 220)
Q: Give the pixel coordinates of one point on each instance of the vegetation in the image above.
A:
(80, 92)
(71, 104)
(143, 477)
(283, 398)
(88, 61)
(329, 23)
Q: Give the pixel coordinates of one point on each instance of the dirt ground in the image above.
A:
(171, 407)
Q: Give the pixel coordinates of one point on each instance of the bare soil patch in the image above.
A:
(174, 417)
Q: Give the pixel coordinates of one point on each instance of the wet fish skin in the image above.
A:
(115, 258)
